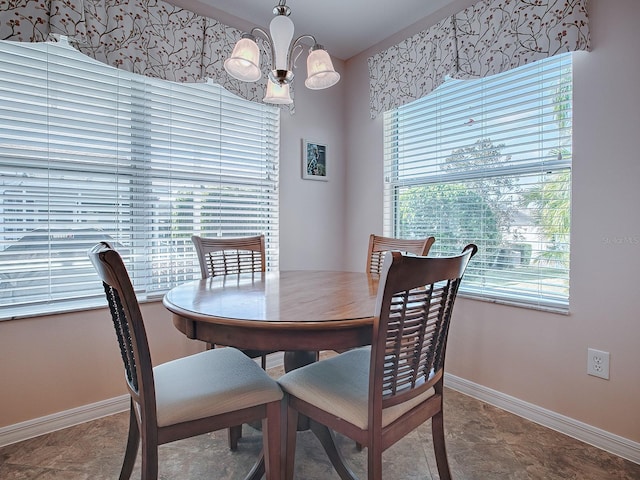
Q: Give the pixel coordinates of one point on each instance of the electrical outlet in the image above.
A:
(598, 363)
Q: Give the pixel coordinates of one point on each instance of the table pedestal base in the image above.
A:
(327, 440)
(293, 360)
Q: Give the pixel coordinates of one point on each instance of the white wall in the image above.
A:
(312, 226)
(533, 356)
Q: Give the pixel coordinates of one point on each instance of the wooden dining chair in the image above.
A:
(376, 395)
(226, 256)
(201, 393)
(379, 246)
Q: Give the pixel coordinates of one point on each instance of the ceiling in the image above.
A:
(344, 27)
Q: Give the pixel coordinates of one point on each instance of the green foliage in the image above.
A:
(551, 204)
(451, 212)
(483, 156)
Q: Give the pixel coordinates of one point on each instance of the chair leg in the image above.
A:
(292, 431)
(133, 442)
(235, 434)
(272, 441)
(437, 433)
(374, 462)
(149, 456)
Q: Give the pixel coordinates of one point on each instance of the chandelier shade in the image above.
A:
(320, 71)
(278, 93)
(244, 62)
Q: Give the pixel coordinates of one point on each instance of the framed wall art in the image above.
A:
(314, 161)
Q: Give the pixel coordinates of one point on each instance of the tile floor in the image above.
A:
(484, 443)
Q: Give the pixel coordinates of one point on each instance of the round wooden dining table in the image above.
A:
(305, 310)
(298, 312)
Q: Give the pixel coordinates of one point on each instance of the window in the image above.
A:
(489, 162)
(90, 153)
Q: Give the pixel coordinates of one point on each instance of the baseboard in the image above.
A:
(57, 421)
(581, 431)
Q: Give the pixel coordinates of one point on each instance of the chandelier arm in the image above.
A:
(298, 42)
(267, 37)
(296, 55)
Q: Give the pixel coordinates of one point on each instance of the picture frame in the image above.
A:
(314, 161)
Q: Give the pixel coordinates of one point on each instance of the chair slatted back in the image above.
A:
(224, 256)
(123, 333)
(379, 246)
(415, 303)
(128, 324)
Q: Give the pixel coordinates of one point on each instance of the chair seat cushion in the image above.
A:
(210, 383)
(340, 385)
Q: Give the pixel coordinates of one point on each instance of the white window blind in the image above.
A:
(90, 153)
(488, 161)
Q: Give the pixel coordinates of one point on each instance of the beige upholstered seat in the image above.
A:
(226, 256)
(376, 395)
(340, 385)
(208, 391)
(379, 246)
(208, 384)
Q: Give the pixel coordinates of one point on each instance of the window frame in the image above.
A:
(428, 169)
(223, 175)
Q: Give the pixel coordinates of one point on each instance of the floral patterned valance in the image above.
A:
(148, 37)
(489, 37)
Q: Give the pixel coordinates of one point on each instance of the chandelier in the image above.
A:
(244, 62)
